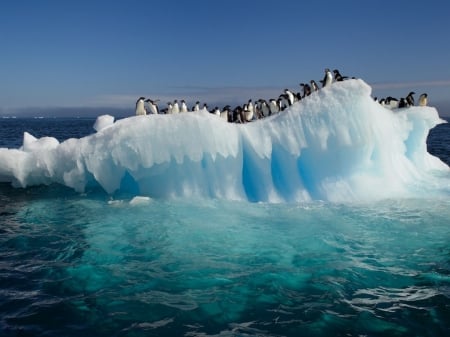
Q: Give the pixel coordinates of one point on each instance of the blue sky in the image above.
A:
(102, 54)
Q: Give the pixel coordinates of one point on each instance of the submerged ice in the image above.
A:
(336, 145)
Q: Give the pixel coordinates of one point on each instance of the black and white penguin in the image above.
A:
(140, 107)
(183, 107)
(237, 115)
(196, 107)
(306, 89)
(423, 100)
(147, 107)
(290, 96)
(391, 102)
(338, 77)
(257, 109)
(224, 114)
(264, 108)
(283, 101)
(273, 107)
(328, 78)
(314, 85)
(403, 103)
(250, 106)
(152, 106)
(248, 115)
(205, 107)
(280, 103)
(410, 98)
(175, 107)
(169, 108)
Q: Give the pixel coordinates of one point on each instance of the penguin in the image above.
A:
(257, 109)
(216, 111)
(248, 115)
(284, 101)
(403, 103)
(205, 107)
(338, 77)
(280, 104)
(175, 107)
(147, 110)
(289, 96)
(273, 107)
(169, 108)
(153, 106)
(196, 107)
(140, 107)
(250, 106)
(183, 107)
(410, 99)
(237, 115)
(328, 78)
(423, 99)
(264, 108)
(391, 102)
(314, 85)
(224, 114)
(306, 89)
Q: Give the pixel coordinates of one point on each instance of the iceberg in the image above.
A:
(335, 145)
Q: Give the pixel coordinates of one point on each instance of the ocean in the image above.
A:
(76, 264)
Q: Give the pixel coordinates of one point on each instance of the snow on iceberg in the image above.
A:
(336, 145)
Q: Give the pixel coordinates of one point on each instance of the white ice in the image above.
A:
(336, 145)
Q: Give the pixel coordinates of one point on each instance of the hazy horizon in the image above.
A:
(443, 108)
(102, 54)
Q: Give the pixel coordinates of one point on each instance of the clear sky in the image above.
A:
(105, 54)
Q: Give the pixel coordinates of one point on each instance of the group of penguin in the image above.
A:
(248, 111)
(404, 102)
(262, 108)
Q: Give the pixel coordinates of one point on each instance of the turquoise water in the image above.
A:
(85, 265)
(74, 265)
